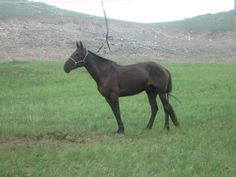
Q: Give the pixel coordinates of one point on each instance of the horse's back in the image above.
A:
(141, 76)
(143, 71)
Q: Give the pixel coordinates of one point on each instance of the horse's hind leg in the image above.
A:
(166, 125)
(154, 108)
(168, 109)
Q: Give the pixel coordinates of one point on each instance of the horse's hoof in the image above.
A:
(148, 128)
(167, 128)
(119, 135)
(120, 131)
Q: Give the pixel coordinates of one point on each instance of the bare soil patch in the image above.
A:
(53, 138)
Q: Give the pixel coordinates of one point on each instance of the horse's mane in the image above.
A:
(102, 59)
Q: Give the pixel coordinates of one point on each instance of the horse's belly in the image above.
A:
(131, 88)
(127, 93)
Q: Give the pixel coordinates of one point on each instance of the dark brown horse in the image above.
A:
(114, 81)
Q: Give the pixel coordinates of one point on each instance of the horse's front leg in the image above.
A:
(113, 101)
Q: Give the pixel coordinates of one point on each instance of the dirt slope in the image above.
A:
(53, 38)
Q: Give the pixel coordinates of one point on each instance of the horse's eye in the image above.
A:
(77, 55)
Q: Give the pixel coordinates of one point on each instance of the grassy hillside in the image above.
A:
(29, 8)
(54, 124)
(219, 21)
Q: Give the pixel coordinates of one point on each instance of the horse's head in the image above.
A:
(77, 59)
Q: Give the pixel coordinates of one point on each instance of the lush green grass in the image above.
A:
(220, 21)
(53, 124)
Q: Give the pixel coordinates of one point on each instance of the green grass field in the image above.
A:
(53, 124)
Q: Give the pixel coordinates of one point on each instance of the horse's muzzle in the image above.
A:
(66, 69)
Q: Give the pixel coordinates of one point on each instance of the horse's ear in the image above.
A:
(82, 46)
(77, 44)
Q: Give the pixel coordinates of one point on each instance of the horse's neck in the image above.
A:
(97, 67)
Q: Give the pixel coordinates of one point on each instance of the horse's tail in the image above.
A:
(169, 88)
(168, 94)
